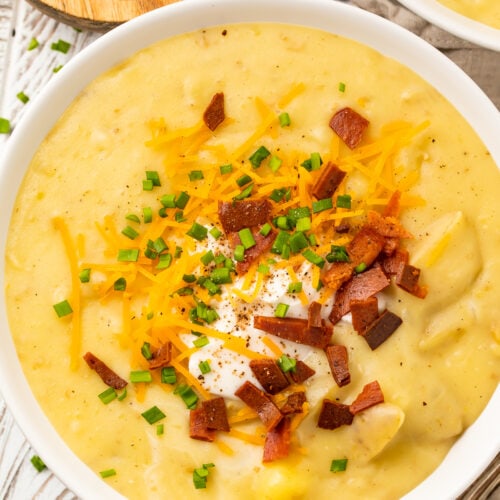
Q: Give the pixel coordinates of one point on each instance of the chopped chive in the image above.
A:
(184, 291)
(207, 257)
(243, 180)
(221, 276)
(259, 156)
(200, 476)
(153, 415)
(295, 287)
(159, 245)
(168, 375)
(168, 200)
(189, 278)
(285, 252)
(201, 341)
(265, 229)
(107, 473)
(160, 429)
(246, 237)
(226, 169)
(33, 44)
(275, 163)
(138, 376)
(132, 217)
(277, 194)
(182, 200)
(120, 285)
(128, 254)
(245, 193)
(162, 212)
(22, 97)
(147, 214)
(197, 231)
(287, 364)
(178, 252)
(38, 463)
(296, 213)
(62, 308)
(313, 257)
(123, 395)
(147, 185)
(61, 46)
(298, 241)
(204, 367)
(284, 119)
(239, 253)
(280, 241)
(314, 162)
(4, 126)
(179, 216)
(220, 259)
(108, 395)
(146, 350)
(313, 240)
(164, 261)
(321, 205)
(360, 267)
(153, 176)
(263, 269)
(338, 253)
(215, 232)
(343, 201)
(282, 222)
(84, 275)
(338, 465)
(187, 394)
(57, 68)
(196, 175)
(341, 87)
(281, 310)
(303, 224)
(130, 232)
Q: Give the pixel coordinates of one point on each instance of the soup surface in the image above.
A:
(484, 11)
(92, 229)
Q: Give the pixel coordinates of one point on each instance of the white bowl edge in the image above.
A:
(123, 41)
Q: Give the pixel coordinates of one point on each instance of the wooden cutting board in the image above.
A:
(97, 15)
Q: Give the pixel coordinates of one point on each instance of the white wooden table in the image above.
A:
(27, 71)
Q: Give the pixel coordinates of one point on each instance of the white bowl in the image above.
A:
(477, 445)
(455, 23)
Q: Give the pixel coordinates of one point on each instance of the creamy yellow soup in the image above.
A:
(437, 371)
(484, 11)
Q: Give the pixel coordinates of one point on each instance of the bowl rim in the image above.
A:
(455, 23)
(107, 51)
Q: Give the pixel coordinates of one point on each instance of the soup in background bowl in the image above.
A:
(128, 153)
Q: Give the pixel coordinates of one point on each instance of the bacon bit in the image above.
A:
(365, 247)
(277, 443)
(339, 366)
(381, 329)
(256, 399)
(371, 395)
(393, 207)
(363, 313)
(314, 315)
(388, 227)
(295, 329)
(198, 426)
(294, 403)
(407, 279)
(262, 245)
(360, 286)
(393, 264)
(214, 113)
(216, 414)
(349, 126)
(328, 181)
(269, 374)
(334, 415)
(236, 215)
(108, 376)
(302, 372)
(162, 356)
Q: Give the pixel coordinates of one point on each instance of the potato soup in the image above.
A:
(117, 248)
(484, 11)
